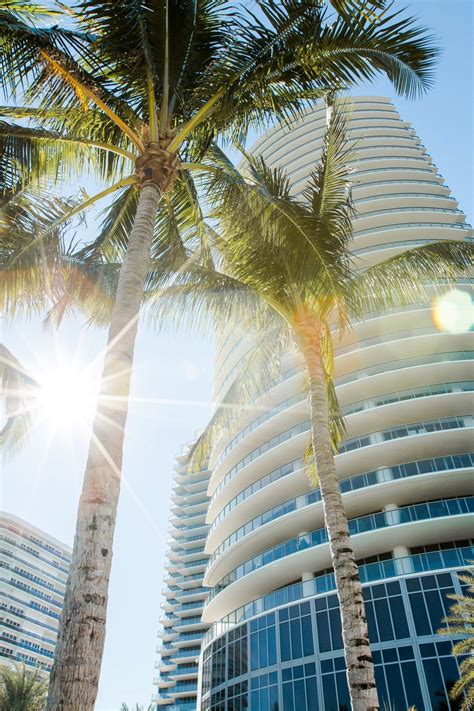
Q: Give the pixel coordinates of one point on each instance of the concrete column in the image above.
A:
(392, 514)
(307, 584)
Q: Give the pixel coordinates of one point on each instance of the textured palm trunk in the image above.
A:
(75, 673)
(357, 654)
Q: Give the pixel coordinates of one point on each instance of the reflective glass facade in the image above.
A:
(292, 658)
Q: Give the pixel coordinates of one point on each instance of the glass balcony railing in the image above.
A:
(363, 524)
(187, 578)
(371, 572)
(385, 338)
(421, 158)
(186, 670)
(400, 363)
(194, 563)
(409, 394)
(412, 243)
(363, 216)
(410, 430)
(192, 591)
(264, 417)
(188, 621)
(463, 226)
(186, 653)
(183, 539)
(399, 182)
(359, 481)
(373, 438)
(396, 196)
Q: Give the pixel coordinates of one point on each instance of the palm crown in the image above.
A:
(127, 91)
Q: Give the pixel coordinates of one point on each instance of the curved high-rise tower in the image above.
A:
(405, 469)
(181, 626)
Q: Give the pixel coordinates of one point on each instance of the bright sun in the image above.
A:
(67, 396)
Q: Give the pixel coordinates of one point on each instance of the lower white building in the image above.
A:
(33, 572)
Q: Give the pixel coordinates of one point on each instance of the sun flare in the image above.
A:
(66, 397)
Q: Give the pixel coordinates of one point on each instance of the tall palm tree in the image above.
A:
(21, 689)
(135, 93)
(285, 266)
(460, 621)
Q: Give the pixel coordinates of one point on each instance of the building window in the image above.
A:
(335, 691)
(429, 601)
(237, 697)
(397, 678)
(328, 621)
(264, 693)
(385, 611)
(441, 671)
(296, 634)
(218, 701)
(263, 642)
(237, 652)
(300, 691)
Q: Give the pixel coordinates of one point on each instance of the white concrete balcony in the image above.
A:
(402, 198)
(278, 421)
(284, 570)
(396, 356)
(306, 516)
(389, 453)
(266, 462)
(406, 411)
(366, 187)
(388, 214)
(279, 392)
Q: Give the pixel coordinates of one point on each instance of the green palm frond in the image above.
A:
(41, 156)
(22, 690)
(409, 277)
(358, 48)
(34, 249)
(19, 394)
(460, 622)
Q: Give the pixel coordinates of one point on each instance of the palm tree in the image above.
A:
(460, 621)
(21, 690)
(137, 93)
(285, 266)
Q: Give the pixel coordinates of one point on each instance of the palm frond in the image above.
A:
(21, 688)
(408, 277)
(19, 394)
(460, 622)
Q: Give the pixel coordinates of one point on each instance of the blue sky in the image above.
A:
(43, 483)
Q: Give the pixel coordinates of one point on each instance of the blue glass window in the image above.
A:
(296, 634)
(263, 642)
(300, 691)
(264, 692)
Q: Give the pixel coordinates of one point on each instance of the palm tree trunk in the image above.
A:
(357, 654)
(75, 674)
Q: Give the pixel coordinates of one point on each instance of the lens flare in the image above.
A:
(453, 312)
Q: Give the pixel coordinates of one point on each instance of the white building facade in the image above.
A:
(182, 629)
(33, 572)
(405, 469)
